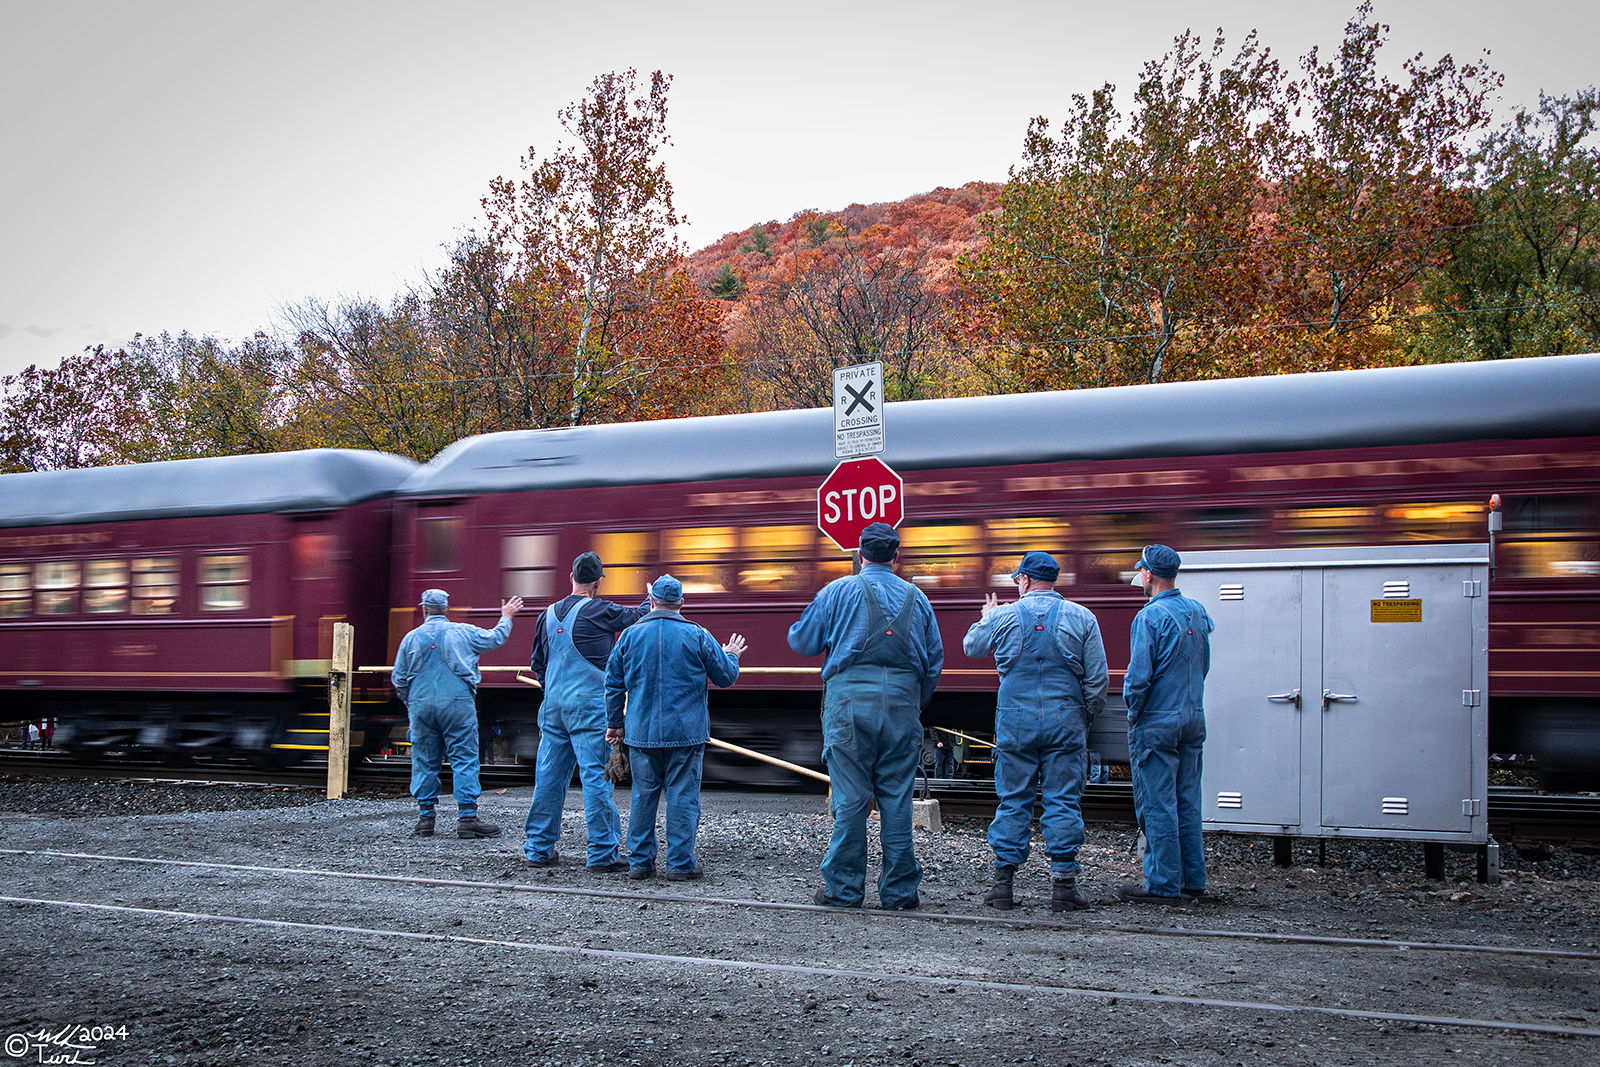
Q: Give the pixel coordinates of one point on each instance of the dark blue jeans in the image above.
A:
(871, 742)
(677, 772)
(1164, 747)
(1039, 752)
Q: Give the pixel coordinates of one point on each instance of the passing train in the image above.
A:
(189, 606)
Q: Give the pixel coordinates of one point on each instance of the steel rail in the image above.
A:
(710, 962)
(779, 905)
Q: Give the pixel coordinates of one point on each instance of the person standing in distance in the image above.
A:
(883, 661)
(1053, 682)
(1165, 691)
(436, 676)
(656, 683)
(570, 648)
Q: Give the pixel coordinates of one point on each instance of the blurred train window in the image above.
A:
(1330, 526)
(224, 582)
(56, 587)
(16, 590)
(1555, 536)
(1011, 539)
(312, 554)
(439, 544)
(701, 557)
(776, 558)
(626, 557)
(1460, 521)
(1221, 528)
(155, 585)
(527, 564)
(939, 556)
(1109, 545)
(105, 586)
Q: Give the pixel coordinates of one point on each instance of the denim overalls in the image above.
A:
(572, 731)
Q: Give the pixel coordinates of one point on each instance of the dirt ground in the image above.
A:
(954, 985)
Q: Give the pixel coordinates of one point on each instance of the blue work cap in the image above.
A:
(435, 598)
(879, 543)
(1041, 565)
(1160, 561)
(586, 568)
(667, 590)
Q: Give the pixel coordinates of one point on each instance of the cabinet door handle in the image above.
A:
(1291, 697)
(1329, 696)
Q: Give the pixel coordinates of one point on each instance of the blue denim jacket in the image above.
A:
(835, 623)
(1079, 679)
(438, 661)
(657, 674)
(1170, 656)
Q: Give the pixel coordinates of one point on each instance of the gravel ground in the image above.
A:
(201, 991)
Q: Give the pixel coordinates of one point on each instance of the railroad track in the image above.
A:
(1516, 813)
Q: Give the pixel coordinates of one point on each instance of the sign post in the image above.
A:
(858, 410)
(858, 493)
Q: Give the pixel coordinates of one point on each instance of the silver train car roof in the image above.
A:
(312, 480)
(1549, 396)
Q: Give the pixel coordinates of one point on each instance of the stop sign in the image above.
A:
(858, 493)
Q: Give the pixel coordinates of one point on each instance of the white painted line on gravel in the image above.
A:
(829, 972)
(780, 905)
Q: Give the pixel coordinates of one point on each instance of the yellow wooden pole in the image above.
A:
(339, 678)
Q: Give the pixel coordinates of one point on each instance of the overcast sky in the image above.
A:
(197, 165)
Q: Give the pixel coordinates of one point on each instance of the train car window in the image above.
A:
(833, 567)
(55, 586)
(527, 563)
(105, 586)
(1222, 528)
(16, 590)
(1011, 539)
(940, 556)
(1459, 521)
(1330, 526)
(776, 558)
(439, 544)
(224, 582)
(155, 585)
(1109, 545)
(627, 558)
(1555, 536)
(702, 557)
(312, 554)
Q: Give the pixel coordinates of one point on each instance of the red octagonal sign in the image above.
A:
(858, 493)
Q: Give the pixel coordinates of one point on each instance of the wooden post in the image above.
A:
(339, 677)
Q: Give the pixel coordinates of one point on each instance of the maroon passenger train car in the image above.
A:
(187, 607)
(728, 505)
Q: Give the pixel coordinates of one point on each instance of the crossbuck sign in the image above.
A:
(858, 410)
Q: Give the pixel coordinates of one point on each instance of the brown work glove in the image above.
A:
(617, 766)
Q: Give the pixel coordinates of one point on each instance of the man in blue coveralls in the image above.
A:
(436, 676)
(656, 701)
(570, 648)
(1053, 681)
(883, 660)
(1165, 691)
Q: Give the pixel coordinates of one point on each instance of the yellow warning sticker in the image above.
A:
(1397, 611)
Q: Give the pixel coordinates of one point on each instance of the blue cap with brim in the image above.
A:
(666, 589)
(435, 598)
(1041, 565)
(586, 568)
(879, 543)
(1160, 561)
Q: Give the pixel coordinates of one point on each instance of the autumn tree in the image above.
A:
(1524, 277)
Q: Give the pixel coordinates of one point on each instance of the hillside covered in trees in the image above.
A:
(1229, 214)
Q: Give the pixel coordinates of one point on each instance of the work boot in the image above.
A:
(472, 826)
(694, 874)
(614, 867)
(998, 896)
(424, 827)
(552, 860)
(1064, 895)
(1138, 894)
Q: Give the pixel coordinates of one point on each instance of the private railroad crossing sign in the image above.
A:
(858, 493)
(858, 410)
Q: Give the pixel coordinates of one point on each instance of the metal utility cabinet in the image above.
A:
(1347, 694)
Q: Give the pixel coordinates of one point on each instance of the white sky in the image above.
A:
(197, 165)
